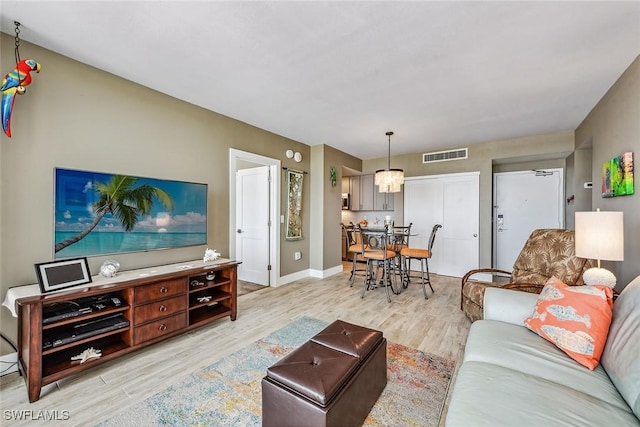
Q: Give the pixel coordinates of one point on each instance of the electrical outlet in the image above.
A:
(297, 256)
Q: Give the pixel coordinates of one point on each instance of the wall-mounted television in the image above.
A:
(101, 213)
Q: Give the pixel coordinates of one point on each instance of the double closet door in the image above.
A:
(453, 201)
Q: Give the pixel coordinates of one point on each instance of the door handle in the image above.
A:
(475, 235)
(238, 231)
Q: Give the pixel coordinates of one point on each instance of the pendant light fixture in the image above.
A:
(389, 180)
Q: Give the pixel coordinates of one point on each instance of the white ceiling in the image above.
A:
(438, 74)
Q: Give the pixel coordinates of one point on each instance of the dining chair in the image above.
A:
(399, 237)
(354, 246)
(377, 254)
(398, 240)
(422, 255)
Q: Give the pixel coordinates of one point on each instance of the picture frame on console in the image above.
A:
(56, 275)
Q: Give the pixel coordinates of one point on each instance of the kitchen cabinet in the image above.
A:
(346, 184)
(361, 189)
(354, 189)
(382, 201)
(365, 195)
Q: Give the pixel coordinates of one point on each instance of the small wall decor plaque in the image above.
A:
(617, 176)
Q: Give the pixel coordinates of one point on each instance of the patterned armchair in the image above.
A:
(547, 252)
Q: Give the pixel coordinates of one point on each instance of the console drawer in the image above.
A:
(158, 290)
(157, 309)
(159, 328)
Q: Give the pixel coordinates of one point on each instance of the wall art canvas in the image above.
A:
(617, 176)
(294, 205)
(100, 213)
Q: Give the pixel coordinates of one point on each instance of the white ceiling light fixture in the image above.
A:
(389, 180)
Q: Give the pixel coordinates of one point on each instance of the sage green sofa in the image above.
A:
(510, 376)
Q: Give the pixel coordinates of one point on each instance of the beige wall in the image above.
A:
(78, 117)
(613, 127)
(534, 165)
(578, 173)
(332, 254)
(326, 206)
(316, 251)
(481, 158)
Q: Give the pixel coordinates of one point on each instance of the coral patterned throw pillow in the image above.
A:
(574, 318)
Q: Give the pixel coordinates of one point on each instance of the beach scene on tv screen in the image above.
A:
(101, 214)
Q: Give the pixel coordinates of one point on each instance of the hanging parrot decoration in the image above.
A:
(15, 83)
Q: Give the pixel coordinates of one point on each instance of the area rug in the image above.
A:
(228, 392)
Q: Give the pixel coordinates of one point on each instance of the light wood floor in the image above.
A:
(435, 326)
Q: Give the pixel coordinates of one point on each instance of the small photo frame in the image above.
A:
(56, 275)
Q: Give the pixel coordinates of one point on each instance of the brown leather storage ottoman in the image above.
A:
(332, 380)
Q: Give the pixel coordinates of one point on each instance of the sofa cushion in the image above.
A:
(621, 357)
(508, 305)
(491, 395)
(518, 349)
(575, 318)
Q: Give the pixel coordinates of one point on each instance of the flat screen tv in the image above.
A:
(101, 213)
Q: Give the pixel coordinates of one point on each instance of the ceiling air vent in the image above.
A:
(442, 156)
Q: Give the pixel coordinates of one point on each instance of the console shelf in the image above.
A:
(212, 297)
(71, 320)
(204, 314)
(90, 340)
(207, 284)
(60, 365)
(149, 305)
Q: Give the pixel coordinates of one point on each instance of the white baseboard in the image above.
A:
(326, 273)
(293, 277)
(7, 361)
(308, 273)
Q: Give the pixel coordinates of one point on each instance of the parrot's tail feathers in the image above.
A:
(8, 98)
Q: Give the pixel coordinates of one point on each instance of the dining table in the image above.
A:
(397, 238)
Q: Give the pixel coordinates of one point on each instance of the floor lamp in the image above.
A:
(600, 236)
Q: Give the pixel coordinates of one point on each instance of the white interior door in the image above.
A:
(454, 202)
(524, 201)
(252, 224)
(460, 250)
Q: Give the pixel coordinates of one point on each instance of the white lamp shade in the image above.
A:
(600, 235)
(389, 180)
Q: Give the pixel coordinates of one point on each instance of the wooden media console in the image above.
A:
(119, 315)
